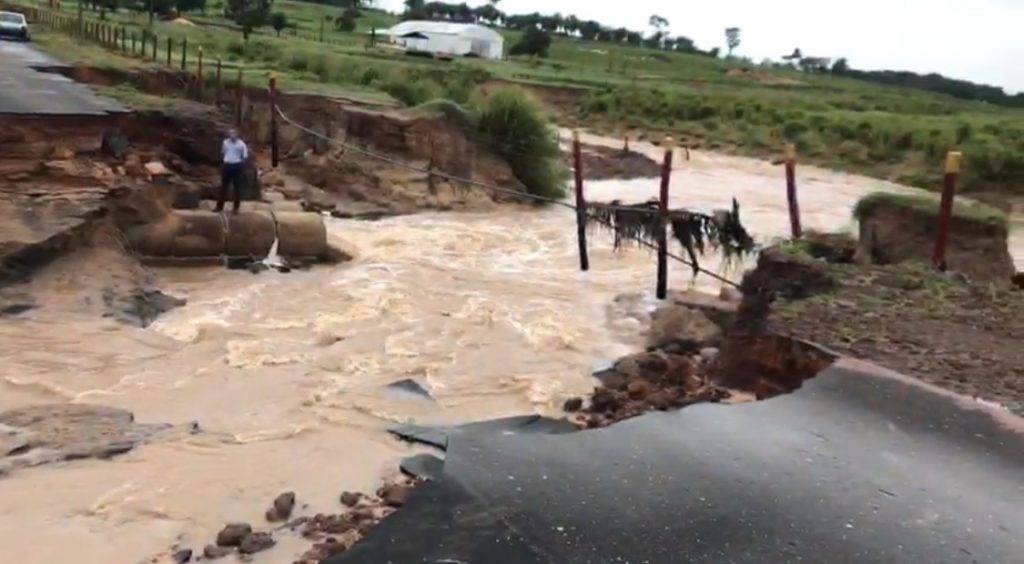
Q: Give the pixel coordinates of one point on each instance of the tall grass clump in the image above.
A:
(515, 127)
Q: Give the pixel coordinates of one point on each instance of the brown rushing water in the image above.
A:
(286, 372)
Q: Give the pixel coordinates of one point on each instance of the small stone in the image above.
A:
(63, 154)
(284, 504)
(394, 495)
(350, 499)
(708, 354)
(213, 552)
(256, 542)
(233, 534)
(572, 405)
(182, 556)
(156, 168)
(639, 388)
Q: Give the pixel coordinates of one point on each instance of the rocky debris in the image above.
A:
(572, 405)
(43, 434)
(141, 306)
(681, 329)
(350, 499)
(788, 271)
(233, 534)
(256, 542)
(316, 200)
(213, 552)
(653, 380)
(282, 507)
(114, 143)
(322, 551)
(411, 386)
(182, 556)
(1018, 280)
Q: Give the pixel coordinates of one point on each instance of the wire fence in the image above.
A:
(519, 194)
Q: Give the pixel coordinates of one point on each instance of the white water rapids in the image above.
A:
(286, 373)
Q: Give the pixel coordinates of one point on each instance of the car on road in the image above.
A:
(13, 24)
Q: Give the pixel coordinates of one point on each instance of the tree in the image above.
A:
(345, 22)
(589, 30)
(732, 38)
(190, 5)
(658, 23)
(534, 42)
(415, 9)
(278, 21)
(249, 14)
(841, 66)
(684, 45)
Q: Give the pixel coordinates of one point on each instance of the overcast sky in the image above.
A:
(978, 40)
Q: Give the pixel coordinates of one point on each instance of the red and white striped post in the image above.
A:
(581, 202)
(662, 233)
(272, 91)
(946, 209)
(794, 204)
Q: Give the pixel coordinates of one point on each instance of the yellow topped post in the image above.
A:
(953, 159)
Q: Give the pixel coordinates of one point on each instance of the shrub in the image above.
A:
(412, 92)
(515, 127)
(533, 42)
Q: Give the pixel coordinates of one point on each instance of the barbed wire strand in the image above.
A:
(498, 189)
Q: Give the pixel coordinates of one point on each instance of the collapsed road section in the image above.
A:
(857, 465)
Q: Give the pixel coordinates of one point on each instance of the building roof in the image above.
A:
(474, 31)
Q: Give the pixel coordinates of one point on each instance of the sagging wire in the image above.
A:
(605, 221)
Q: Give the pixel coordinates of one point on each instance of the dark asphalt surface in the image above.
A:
(27, 91)
(853, 467)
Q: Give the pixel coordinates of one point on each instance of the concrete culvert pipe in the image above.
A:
(250, 234)
(301, 235)
(180, 234)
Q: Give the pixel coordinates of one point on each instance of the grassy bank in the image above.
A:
(888, 132)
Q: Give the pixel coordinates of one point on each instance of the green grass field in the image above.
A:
(888, 132)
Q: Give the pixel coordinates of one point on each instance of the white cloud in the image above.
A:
(978, 40)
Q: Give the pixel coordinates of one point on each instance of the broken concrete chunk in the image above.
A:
(687, 328)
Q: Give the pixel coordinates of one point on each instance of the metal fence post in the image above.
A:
(946, 209)
(581, 203)
(794, 204)
(662, 234)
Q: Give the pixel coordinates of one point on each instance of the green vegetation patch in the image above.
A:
(928, 204)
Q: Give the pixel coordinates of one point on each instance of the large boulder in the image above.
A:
(682, 329)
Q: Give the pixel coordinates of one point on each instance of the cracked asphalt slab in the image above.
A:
(859, 465)
(26, 90)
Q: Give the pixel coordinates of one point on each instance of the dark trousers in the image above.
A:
(230, 174)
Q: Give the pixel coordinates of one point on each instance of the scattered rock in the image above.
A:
(394, 495)
(707, 354)
(350, 499)
(114, 143)
(233, 534)
(182, 556)
(572, 405)
(730, 294)
(1018, 280)
(213, 552)
(61, 153)
(686, 328)
(156, 168)
(316, 200)
(256, 542)
(638, 388)
(282, 507)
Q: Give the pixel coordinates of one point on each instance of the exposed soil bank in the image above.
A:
(607, 163)
(941, 328)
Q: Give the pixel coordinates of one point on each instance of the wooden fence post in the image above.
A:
(184, 46)
(581, 202)
(272, 91)
(124, 39)
(946, 209)
(220, 86)
(170, 46)
(133, 44)
(238, 98)
(662, 234)
(156, 45)
(794, 205)
(200, 80)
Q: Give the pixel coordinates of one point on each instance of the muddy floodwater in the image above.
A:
(286, 374)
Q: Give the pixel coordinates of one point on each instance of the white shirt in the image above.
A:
(234, 151)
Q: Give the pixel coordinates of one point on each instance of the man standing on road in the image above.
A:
(235, 154)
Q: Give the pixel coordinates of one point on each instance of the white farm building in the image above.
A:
(448, 39)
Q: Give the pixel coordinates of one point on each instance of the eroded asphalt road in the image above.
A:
(856, 466)
(24, 90)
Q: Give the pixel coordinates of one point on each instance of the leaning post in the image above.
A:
(946, 209)
(794, 205)
(662, 232)
(272, 91)
(220, 85)
(581, 202)
(200, 80)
